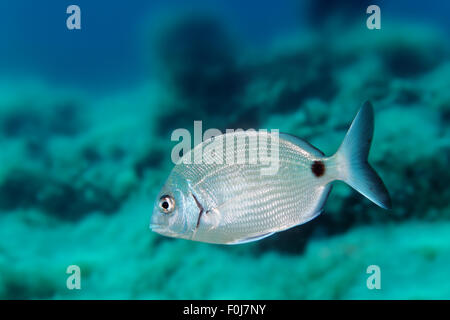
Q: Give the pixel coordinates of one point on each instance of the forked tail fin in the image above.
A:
(352, 159)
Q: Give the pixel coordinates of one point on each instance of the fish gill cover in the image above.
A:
(86, 118)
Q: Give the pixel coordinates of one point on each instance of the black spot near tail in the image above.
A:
(318, 168)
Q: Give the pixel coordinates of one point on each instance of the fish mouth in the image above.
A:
(162, 230)
(156, 228)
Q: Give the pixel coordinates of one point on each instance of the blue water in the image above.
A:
(108, 51)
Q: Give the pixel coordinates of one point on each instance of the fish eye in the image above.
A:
(167, 204)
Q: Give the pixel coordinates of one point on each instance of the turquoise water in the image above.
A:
(86, 118)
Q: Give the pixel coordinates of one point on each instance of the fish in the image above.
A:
(233, 203)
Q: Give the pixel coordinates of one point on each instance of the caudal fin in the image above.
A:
(352, 159)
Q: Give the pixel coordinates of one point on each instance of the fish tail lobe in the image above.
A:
(352, 159)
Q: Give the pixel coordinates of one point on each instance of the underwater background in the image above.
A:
(86, 118)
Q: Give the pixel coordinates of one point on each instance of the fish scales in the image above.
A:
(220, 200)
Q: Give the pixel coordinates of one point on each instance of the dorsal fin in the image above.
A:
(302, 144)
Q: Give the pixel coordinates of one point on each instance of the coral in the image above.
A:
(135, 266)
(200, 65)
(68, 157)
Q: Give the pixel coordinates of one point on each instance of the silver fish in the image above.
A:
(234, 203)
